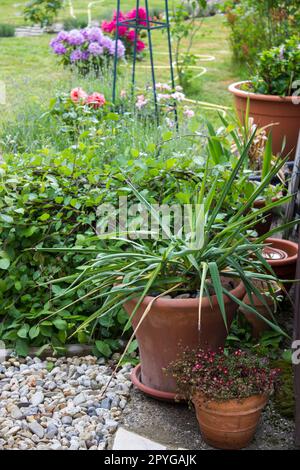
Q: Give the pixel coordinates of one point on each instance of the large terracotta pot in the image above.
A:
(172, 325)
(230, 424)
(282, 257)
(268, 109)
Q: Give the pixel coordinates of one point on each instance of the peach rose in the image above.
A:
(78, 94)
(96, 100)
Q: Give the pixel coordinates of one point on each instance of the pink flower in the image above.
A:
(141, 14)
(123, 94)
(141, 101)
(131, 35)
(78, 94)
(140, 46)
(189, 113)
(111, 26)
(96, 100)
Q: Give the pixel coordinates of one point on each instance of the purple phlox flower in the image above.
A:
(107, 43)
(75, 38)
(62, 36)
(53, 42)
(85, 55)
(94, 34)
(59, 48)
(76, 55)
(95, 49)
(120, 49)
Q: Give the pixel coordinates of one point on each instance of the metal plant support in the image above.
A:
(148, 25)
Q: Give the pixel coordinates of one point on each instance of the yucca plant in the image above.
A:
(127, 269)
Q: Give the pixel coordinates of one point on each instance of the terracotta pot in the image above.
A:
(282, 256)
(268, 109)
(230, 424)
(172, 325)
(259, 325)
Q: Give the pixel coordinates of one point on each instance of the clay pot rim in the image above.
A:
(281, 244)
(135, 377)
(235, 89)
(261, 202)
(238, 292)
(234, 402)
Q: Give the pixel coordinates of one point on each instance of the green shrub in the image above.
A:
(53, 206)
(258, 25)
(42, 12)
(278, 69)
(75, 23)
(6, 30)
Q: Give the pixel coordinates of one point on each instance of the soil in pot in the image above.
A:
(172, 325)
(230, 424)
(268, 109)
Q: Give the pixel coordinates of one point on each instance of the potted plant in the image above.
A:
(257, 166)
(273, 94)
(229, 391)
(181, 289)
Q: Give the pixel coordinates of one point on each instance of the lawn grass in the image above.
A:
(28, 67)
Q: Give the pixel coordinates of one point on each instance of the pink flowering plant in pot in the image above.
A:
(229, 390)
(87, 50)
(126, 33)
(79, 111)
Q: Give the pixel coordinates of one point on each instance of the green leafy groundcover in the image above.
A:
(50, 201)
(47, 206)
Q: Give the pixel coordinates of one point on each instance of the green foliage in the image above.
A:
(75, 23)
(53, 206)
(240, 336)
(284, 398)
(258, 25)
(42, 12)
(184, 27)
(278, 70)
(6, 30)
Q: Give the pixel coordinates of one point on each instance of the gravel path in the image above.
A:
(57, 403)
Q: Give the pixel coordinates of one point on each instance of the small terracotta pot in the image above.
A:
(230, 424)
(171, 326)
(284, 254)
(268, 109)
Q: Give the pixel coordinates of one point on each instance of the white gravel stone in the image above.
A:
(60, 408)
(37, 398)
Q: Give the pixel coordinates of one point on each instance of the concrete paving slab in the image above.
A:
(127, 440)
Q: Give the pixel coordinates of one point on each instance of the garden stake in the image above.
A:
(149, 25)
